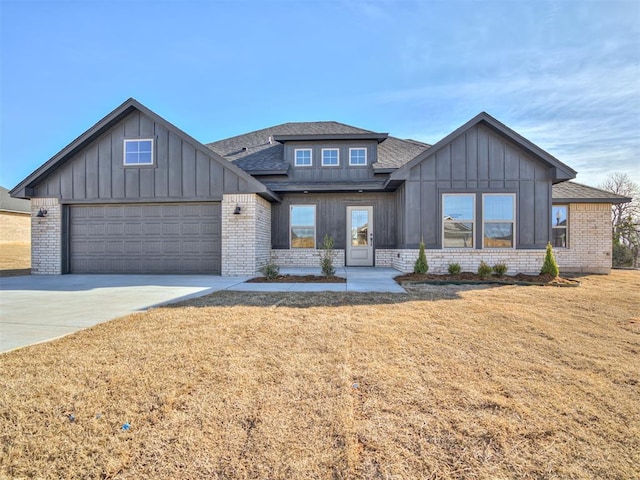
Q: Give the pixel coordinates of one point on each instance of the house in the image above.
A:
(15, 219)
(135, 194)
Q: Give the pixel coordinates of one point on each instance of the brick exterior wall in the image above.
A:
(46, 237)
(589, 249)
(15, 227)
(246, 238)
(590, 240)
(304, 257)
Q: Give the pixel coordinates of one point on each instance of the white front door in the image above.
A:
(360, 236)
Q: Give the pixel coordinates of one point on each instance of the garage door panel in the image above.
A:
(140, 238)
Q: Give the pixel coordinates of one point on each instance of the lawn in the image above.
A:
(15, 258)
(446, 382)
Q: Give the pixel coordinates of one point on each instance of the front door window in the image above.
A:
(359, 228)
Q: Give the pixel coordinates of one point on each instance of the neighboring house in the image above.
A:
(15, 218)
(136, 194)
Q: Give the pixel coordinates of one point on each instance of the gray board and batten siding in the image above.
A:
(478, 160)
(331, 216)
(181, 172)
(323, 174)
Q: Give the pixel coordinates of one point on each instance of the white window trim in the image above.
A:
(471, 220)
(513, 195)
(566, 227)
(295, 157)
(337, 150)
(315, 221)
(365, 157)
(124, 151)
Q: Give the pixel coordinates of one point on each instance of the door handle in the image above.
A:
(371, 239)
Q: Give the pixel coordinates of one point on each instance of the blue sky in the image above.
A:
(565, 74)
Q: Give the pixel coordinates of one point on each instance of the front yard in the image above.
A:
(447, 382)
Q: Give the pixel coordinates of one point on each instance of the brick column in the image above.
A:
(46, 237)
(246, 237)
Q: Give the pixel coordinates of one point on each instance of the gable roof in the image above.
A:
(22, 189)
(17, 205)
(562, 171)
(260, 151)
(572, 192)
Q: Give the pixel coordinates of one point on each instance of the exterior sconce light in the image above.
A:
(42, 213)
(237, 210)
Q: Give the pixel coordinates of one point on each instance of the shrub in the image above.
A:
(484, 270)
(454, 268)
(421, 266)
(549, 267)
(270, 270)
(622, 255)
(500, 269)
(326, 256)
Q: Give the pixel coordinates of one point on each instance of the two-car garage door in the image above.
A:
(145, 238)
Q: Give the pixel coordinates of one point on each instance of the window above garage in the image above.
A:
(138, 151)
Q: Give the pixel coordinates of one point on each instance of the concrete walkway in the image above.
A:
(39, 308)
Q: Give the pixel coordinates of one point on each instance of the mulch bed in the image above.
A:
(299, 279)
(473, 278)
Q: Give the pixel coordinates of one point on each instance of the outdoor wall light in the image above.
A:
(42, 213)
(237, 210)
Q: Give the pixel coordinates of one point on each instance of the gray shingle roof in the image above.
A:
(7, 203)
(253, 152)
(571, 191)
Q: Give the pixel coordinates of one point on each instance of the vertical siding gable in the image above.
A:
(181, 171)
(476, 161)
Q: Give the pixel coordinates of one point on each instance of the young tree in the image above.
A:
(625, 219)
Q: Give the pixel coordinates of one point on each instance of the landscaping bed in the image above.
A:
(299, 279)
(474, 278)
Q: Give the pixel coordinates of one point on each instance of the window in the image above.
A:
(498, 220)
(330, 157)
(302, 157)
(560, 224)
(458, 213)
(357, 156)
(138, 152)
(303, 226)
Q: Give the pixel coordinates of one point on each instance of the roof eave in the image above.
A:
(613, 201)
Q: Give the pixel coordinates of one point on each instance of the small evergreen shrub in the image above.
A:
(421, 266)
(500, 269)
(454, 268)
(550, 266)
(484, 270)
(622, 255)
(270, 270)
(326, 256)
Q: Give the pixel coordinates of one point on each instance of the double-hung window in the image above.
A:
(138, 151)
(357, 156)
(330, 157)
(560, 225)
(303, 226)
(458, 213)
(302, 157)
(498, 216)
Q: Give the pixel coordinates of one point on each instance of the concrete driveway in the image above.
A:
(38, 308)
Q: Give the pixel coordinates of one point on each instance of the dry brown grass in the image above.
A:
(447, 382)
(15, 258)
